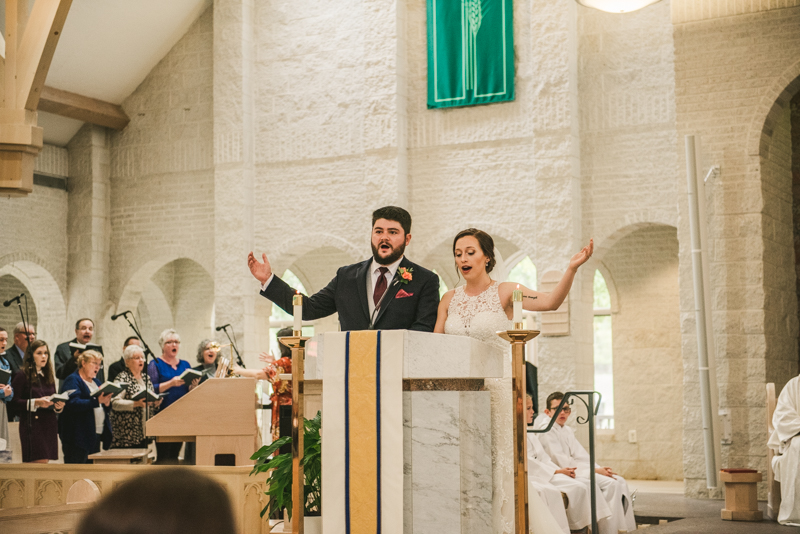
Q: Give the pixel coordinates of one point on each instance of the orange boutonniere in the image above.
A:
(405, 274)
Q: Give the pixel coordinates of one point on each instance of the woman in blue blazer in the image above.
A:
(84, 420)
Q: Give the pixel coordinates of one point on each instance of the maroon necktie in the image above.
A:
(380, 286)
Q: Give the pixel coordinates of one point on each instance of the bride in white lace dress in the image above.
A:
(479, 309)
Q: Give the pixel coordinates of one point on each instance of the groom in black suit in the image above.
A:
(385, 292)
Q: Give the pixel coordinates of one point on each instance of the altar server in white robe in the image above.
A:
(785, 442)
(550, 481)
(566, 451)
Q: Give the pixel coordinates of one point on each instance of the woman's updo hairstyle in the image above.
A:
(484, 240)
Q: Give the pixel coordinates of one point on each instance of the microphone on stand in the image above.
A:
(9, 302)
(223, 327)
(118, 315)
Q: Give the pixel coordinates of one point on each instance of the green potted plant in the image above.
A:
(279, 477)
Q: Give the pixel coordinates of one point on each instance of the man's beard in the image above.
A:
(391, 258)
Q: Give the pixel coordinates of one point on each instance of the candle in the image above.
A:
(297, 305)
(517, 298)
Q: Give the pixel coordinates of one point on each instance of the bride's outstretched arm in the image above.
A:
(536, 301)
(441, 314)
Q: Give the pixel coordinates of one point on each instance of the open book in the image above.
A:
(63, 396)
(5, 376)
(89, 346)
(109, 387)
(150, 395)
(189, 375)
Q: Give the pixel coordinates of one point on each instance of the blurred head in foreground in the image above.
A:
(166, 501)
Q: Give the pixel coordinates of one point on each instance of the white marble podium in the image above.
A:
(436, 461)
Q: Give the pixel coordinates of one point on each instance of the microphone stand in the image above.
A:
(147, 384)
(238, 356)
(30, 386)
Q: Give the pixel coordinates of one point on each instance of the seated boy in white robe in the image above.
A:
(565, 451)
(550, 481)
(786, 467)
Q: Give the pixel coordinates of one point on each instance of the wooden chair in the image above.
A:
(773, 486)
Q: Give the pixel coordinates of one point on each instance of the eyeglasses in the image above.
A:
(172, 342)
(565, 409)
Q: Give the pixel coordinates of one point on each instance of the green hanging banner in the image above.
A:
(470, 52)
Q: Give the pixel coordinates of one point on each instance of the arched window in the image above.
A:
(524, 273)
(603, 361)
(280, 319)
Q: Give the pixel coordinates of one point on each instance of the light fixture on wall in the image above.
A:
(617, 6)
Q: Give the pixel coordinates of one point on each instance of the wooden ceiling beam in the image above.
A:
(82, 108)
(36, 48)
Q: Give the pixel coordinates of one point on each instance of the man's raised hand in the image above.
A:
(261, 271)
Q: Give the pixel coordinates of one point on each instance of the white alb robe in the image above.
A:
(542, 470)
(786, 467)
(566, 451)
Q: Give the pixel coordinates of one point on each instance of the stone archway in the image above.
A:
(43, 290)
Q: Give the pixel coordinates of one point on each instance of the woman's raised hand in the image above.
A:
(266, 357)
(583, 256)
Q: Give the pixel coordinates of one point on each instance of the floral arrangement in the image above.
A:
(405, 274)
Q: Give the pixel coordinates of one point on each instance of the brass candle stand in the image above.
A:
(297, 343)
(518, 337)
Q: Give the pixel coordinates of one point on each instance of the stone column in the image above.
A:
(88, 227)
(385, 109)
(565, 362)
(236, 297)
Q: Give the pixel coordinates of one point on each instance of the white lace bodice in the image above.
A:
(480, 317)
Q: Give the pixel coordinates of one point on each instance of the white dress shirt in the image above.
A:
(375, 272)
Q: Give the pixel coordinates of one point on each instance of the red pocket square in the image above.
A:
(403, 294)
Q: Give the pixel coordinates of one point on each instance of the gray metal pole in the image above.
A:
(700, 315)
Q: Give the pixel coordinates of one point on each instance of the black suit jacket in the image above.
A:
(65, 364)
(347, 295)
(14, 357)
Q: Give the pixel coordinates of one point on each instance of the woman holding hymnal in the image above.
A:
(173, 378)
(34, 386)
(84, 421)
(127, 408)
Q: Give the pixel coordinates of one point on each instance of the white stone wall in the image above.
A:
(33, 249)
(162, 183)
(731, 93)
(648, 367)
(628, 161)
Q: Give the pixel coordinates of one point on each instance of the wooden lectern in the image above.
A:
(219, 416)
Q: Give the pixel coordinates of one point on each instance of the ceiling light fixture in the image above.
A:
(617, 6)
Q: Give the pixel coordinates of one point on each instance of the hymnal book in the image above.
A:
(63, 396)
(109, 387)
(149, 393)
(189, 375)
(5, 376)
(89, 346)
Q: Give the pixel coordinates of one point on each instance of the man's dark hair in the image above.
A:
(177, 500)
(556, 395)
(78, 324)
(128, 340)
(286, 352)
(393, 213)
(3, 329)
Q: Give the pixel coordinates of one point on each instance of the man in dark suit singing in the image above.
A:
(385, 292)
